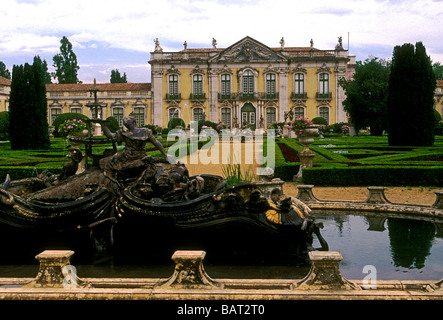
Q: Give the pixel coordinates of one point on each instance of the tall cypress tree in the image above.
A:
(65, 63)
(411, 97)
(17, 126)
(28, 108)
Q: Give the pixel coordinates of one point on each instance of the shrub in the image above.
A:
(4, 125)
(374, 176)
(174, 122)
(62, 118)
(320, 120)
(71, 127)
(112, 124)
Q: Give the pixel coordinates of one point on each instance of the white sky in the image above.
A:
(110, 34)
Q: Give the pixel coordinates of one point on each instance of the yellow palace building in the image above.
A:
(249, 83)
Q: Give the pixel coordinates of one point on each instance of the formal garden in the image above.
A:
(339, 161)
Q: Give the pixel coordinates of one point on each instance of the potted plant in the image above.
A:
(74, 127)
(305, 130)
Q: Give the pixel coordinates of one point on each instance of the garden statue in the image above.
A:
(130, 200)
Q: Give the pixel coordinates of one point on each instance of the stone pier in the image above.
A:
(325, 273)
(54, 269)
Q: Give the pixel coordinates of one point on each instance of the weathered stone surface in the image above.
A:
(325, 273)
(377, 195)
(189, 272)
(439, 200)
(53, 265)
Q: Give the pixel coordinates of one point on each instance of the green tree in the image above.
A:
(46, 75)
(28, 107)
(437, 67)
(4, 72)
(65, 64)
(411, 97)
(366, 95)
(116, 77)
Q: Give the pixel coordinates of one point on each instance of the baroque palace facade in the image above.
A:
(249, 83)
(245, 83)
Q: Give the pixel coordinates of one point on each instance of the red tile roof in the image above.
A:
(4, 81)
(101, 86)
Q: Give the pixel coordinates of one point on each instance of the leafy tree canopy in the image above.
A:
(366, 95)
(116, 77)
(4, 72)
(65, 64)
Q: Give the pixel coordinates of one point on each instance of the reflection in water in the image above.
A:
(411, 241)
(400, 249)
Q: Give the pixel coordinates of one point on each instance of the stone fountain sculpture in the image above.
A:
(143, 199)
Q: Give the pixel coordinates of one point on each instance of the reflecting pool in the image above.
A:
(398, 248)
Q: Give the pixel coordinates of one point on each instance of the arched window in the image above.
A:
(324, 113)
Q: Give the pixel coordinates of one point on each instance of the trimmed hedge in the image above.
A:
(374, 176)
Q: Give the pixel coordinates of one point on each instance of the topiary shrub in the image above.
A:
(112, 124)
(174, 122)
(320, 120)
(62, 118)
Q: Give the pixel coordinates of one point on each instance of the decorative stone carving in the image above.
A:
(325, 273)
(377, 195)
(55, 271)
(189, 272)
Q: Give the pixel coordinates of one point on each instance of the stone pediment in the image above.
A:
(248, 49)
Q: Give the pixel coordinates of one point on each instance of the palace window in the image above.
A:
(324, 83)
(270, 116)
(55, 112)
(197, 88)
(197, 114)
(299, 112)
(299, 83)
(76, 110)
(324, 113)
(248, 82)
(139, 116)
(173, 113)
(226, 116)
(270, 85)
(173, 84)
(117, 113)
(226, 85)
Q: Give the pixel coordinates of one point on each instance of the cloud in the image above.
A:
(96, 28)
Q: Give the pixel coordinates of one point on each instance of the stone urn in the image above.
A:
(306, 155)
(308, 137)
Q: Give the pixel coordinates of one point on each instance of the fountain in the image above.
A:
(128, 200)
